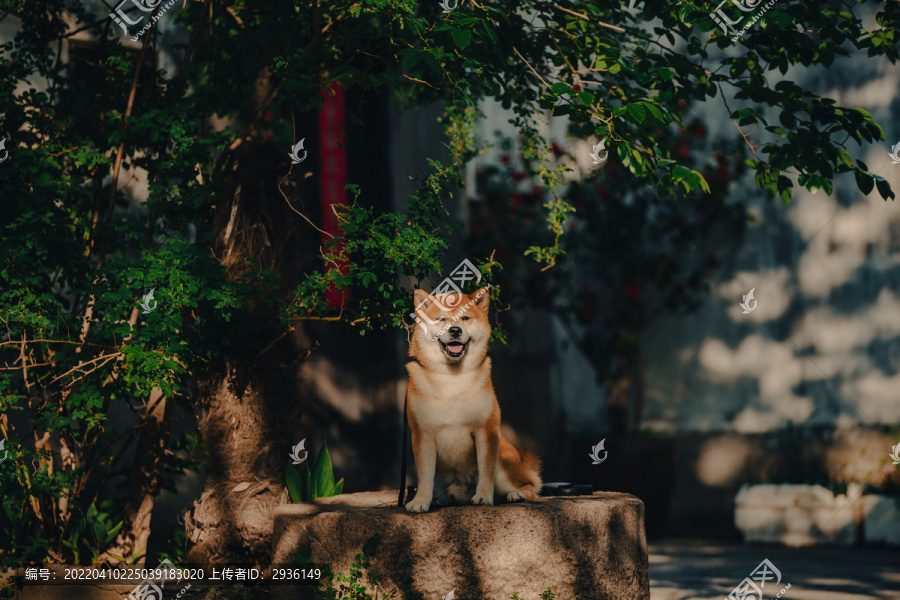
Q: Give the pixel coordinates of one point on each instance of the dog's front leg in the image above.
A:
(487, 450)
(425, 453)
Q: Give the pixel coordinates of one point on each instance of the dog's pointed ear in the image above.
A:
(420, 299)
(482, 298)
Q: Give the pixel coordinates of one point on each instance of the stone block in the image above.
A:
(583, 547)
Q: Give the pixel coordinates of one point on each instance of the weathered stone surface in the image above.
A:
(74, 592)
(102, 591)
(583, 547)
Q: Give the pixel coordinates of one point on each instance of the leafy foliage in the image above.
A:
(666, 249)
(319, 483)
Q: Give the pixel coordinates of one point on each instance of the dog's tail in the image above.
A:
(532, 472)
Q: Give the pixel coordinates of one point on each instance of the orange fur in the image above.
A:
(453, 411)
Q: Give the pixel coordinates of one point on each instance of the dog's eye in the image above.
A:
(441, 318)
(465, 318)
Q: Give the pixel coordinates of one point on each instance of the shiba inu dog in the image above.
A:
(453, 413)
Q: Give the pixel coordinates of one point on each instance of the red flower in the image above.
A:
(632, 291)
(516, 199)
(683, 152)
(268, 116)
(557, 149)
(576, 88)
(518, 176)
(505, 159)
(723, 174)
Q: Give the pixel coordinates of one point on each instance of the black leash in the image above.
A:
(400, 500)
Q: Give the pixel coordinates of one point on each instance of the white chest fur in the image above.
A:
(451, 401)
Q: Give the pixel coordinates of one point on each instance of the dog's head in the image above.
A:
(450, 327)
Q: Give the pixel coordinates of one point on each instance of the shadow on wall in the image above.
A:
(821, 347)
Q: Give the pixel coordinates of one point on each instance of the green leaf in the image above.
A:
(680, 172)
(657, 114)
(866, 114)
(112, 533)
(693, 179)
(864, 182)
(489, 31)
(76, 526)
(462, 37)
(308, 492)
(560, 87)
(704, 185)
(845, 158)
(884, 188)
(586, 98)
(786, 195)
(413, 58)
(294, 483)
(785, 188)
(637, 112)
(323, 476)
(99, 529)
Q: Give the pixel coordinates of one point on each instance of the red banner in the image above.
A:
(333, 178)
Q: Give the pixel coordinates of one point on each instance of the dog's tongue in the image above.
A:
(454, 347)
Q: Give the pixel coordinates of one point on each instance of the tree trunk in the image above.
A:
(251, 399)
(149, 458)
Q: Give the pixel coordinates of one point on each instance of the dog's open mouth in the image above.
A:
(454, 349)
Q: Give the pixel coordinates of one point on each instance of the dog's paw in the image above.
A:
(515, 496)
(418, 505)
(487, 499)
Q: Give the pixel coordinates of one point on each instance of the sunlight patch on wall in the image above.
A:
(877, 395)
(826, 331)
(722, 461)
(771, 291)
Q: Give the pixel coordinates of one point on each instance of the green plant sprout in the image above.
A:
(318, 483)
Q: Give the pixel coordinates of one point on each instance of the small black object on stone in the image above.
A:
(560, 488)
(552, 488)
(576, 489)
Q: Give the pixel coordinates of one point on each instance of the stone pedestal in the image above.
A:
(582, 547)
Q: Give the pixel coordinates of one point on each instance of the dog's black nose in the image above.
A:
(455, 332)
